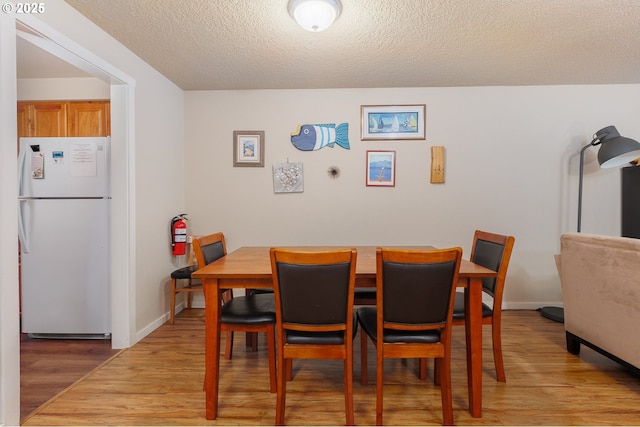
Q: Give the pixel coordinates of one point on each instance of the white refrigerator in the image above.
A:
(64, 230)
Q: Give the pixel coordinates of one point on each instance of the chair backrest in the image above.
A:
(314, 289)
(494, 252)
(209, 248)
(416, 288)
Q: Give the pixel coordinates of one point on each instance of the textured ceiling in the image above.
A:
(254, 44)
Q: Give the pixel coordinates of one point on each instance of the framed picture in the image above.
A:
(248, 148)
(392, 122)
(288, 177)
(381, 168)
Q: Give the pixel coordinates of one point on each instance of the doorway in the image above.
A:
(121, 94)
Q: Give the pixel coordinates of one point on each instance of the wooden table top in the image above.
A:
(254, 262)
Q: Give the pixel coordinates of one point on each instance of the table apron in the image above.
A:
(264, 283)
(249, 283)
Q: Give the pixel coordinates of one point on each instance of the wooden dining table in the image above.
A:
(249, 267)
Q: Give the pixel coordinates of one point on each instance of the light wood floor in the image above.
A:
(159, 382)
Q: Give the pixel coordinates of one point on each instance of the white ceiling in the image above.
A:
(254, 44)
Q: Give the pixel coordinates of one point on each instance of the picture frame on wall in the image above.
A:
(381, 168)
(385, 122)
(248, 148)
(288, 177)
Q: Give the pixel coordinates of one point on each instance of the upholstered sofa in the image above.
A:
(600, 278)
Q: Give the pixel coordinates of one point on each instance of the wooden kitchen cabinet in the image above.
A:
(65, 118)
(42, 119)
(90, 118)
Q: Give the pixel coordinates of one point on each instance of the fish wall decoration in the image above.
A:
(315, 137)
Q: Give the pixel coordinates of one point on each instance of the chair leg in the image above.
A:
(172, 312)
(189, 296)
(228, 348)
(497, 350)
(364, 372)
(289, 369)
(422, 369)
(226, 296)
(379, 383)
(252, 340)
(281, 391)
(271, 350)
(348, 388)
(445, 391)
(437, 371)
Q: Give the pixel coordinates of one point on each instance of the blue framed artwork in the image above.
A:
(400, 122)
(248, 148)
(381, 168)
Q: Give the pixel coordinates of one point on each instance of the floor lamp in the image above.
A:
(615, 151)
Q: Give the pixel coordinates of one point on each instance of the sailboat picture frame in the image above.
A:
(399, 122)
(381, 168)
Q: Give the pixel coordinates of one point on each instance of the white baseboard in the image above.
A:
(529, 305)
(199, 303)
(158, 322)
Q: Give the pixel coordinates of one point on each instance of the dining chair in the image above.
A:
(191, 286)
(412, 318)
(314, 313)
(248, 313)
(494, 252)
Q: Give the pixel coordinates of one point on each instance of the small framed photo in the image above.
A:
(381, 168)
(383, 122)
(248, 148)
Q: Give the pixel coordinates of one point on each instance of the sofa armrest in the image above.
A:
(600, 278)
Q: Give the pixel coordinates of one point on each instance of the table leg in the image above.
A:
(212, 346)
(473, 328)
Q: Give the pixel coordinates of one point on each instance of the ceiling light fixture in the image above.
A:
(315, 15)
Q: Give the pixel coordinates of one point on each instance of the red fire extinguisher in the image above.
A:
(179, 234)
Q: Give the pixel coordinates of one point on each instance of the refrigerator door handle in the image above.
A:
(22, 231)
(21, 159)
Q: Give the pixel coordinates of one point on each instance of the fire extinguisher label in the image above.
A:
(181, 231)
(181, 238)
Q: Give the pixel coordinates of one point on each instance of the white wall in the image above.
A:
(61, 89)
(511, 167)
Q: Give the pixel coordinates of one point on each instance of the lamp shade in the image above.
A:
(615, 150)
(315, 15)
